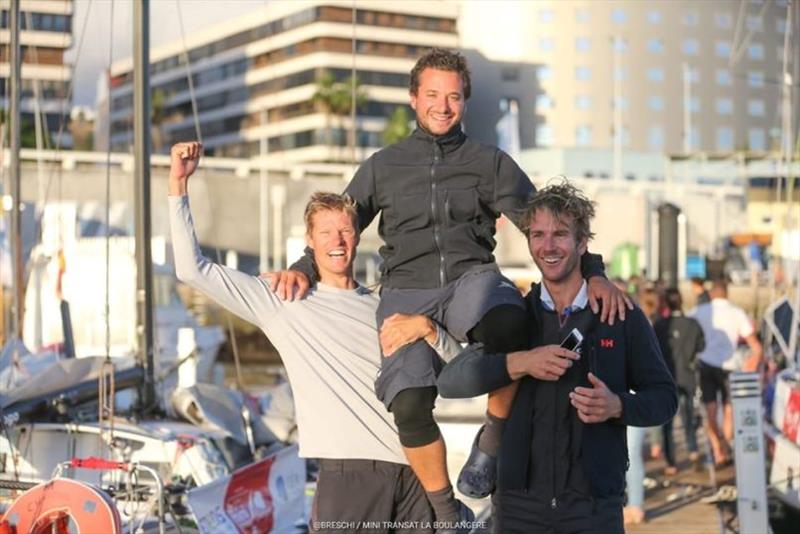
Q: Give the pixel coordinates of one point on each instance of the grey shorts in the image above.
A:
(369, 496)
(458, 307)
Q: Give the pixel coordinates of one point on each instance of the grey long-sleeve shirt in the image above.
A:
(328, 342)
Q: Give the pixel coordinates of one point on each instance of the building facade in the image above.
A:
(45, 35)
(255, 78)
(676, 76)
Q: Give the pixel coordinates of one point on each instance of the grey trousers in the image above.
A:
(369, 496)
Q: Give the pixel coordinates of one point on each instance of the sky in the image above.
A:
(164, 27)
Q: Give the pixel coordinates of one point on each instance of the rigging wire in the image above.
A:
(199, 134)
(70, 91)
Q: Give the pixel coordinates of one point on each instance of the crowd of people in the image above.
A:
(701, 346)
(366, 368)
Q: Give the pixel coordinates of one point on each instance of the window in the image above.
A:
(619, 45)
(756, 140)
(621, 73)
(724, 106)
(655, 46)
(546, 44)
(655, 74)
(583, 44)
(693, 74)
(583, 102)
(622, 102)
(722, 49)
(780, 25)
(618, 16)
(755, 51)
(755, 78)
(694, 104)
(725, 138)
(654, 17)
(583, 73)
(544, 73)
(544, 135)
(754, 23)
(690, 18)
(656, 103)
(543, 102)
(723, 20)
(690, 47)
(507, 74)
(724, 77)
(546, 16)
(655, 137)
(583, 135)
(582, 16)
(755, 108)
(694, 138)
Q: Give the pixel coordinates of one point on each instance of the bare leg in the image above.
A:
(714, 434)
(429, 463)
(500, 400)
(727, 423)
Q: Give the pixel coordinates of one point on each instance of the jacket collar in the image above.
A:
(447, 142)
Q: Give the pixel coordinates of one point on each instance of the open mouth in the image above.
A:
(336, 254)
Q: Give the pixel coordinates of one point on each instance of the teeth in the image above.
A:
(336, 253)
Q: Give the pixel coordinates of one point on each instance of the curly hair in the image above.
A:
(325, 201)
(441, 59)
(561, 199)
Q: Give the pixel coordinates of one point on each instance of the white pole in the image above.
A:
(278, 200)
(617, 77)
(687, 111)
(263, 175)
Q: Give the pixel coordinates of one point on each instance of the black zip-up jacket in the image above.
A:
(438, 198)
(625, 356)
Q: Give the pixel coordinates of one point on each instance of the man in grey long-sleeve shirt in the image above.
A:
(364, 475)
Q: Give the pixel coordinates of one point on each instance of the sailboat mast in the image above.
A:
(15, 236)
(141, 172)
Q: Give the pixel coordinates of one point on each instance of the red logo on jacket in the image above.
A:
(607, 343)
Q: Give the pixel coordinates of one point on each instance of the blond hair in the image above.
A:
(326, 201)
(563, 198)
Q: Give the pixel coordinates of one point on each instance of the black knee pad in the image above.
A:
(413, 414)
(504, 328)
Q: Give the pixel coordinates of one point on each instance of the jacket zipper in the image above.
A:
(554, 502)
(434, 214)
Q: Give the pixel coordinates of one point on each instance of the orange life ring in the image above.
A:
(52, 506)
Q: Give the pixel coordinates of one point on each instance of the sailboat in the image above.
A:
(130, 436)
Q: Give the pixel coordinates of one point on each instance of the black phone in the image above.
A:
(573, 340)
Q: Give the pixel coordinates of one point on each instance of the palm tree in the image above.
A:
(336, 100)
(398, 126)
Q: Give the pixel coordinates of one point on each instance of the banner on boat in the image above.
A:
(266, 496)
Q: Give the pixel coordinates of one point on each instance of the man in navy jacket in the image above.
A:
(563, 457)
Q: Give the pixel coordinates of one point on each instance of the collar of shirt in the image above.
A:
(580, 301)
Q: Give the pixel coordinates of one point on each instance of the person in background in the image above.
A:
(723, 325)
(681, 339)
(699, 291)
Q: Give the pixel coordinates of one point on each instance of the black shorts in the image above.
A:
(369, 496)
(713, 380)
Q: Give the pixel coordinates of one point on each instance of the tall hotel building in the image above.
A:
(254, 78)
(673, 76)
(45, 35)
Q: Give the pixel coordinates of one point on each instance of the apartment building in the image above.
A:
(254, 78)
(45, 35)
(671, 76)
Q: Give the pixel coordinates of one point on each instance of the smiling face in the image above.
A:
(439, 101)
(334, 238)
(554, 248)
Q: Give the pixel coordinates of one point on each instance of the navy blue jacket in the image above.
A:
(625, 356)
